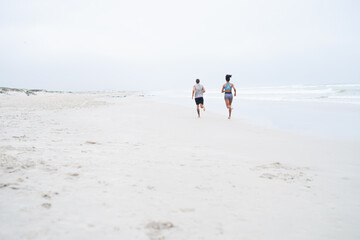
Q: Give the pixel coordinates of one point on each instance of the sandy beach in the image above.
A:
(122, 166)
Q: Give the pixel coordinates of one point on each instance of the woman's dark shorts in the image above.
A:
(228, 95)
(199, 100)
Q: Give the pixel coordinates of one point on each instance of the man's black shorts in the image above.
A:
(199, 100)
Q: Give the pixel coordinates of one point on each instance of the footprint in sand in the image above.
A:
(186, 210)
(279, 171)
(156, 229)
(4, 185)
(103, 183)
(20, 137)
(47, 196)
(268, 176)
(203, 188)
(73, 174)
(46, 205)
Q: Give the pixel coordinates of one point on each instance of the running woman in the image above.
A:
(198, 90)
(228, 96)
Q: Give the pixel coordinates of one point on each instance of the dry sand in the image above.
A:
(105, 166)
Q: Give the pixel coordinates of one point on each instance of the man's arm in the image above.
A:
(193, 92)
(203, 90)
(234, 90)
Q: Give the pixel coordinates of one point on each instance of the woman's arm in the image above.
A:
(222, 89)
(234, 89)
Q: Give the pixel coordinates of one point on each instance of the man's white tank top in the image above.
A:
(198, 90)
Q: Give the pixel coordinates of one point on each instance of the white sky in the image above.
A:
(156, 45)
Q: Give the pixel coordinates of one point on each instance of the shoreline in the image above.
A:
(335, 121)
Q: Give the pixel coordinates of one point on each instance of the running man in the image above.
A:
(227, 89)
(198, 90)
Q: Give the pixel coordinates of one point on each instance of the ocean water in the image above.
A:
(327, 111)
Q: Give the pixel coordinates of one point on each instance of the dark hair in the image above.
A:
(227, 77)
(197, 80)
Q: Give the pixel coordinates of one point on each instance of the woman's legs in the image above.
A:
(230, 108)
(227, 103)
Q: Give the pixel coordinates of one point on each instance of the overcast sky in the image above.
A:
(163, 44)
